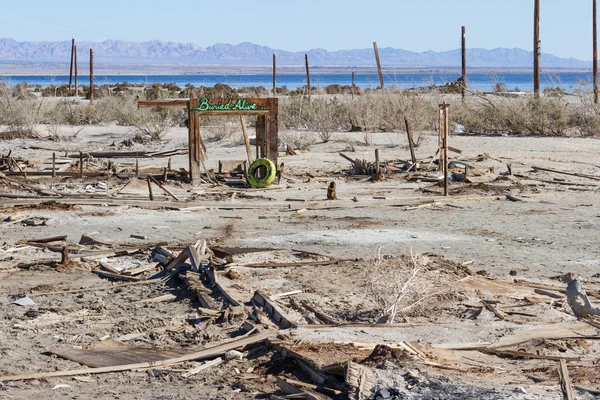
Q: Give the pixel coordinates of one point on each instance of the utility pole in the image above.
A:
(91, 76)
(595, 53)
(463, 42)
(307, 74)
(71, 69)
(536, 49)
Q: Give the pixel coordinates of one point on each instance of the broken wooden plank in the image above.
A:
(48, 240)
(207, 353)
(594, 177)
(115, 276)
(290, 264)
(272, 309)
(360, 380)
(141, 269)
(107, 267)
(565, 381)
(321, 315)
(281, 295)
(493, 309)
(164, 189)
(197, 288)
(549, 293)
(306, 393)
(522, 354)
(160, 299)
(201, 368)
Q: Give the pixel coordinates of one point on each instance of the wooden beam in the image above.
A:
(246, 138)
(194, 141)
(536, 48)
(164, 104)
(91, 76)
(565, 381)
(273, 310)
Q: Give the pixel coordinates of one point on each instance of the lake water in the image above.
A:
(477, 81)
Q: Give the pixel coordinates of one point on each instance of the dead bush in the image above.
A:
(299, 141)
(414, 285)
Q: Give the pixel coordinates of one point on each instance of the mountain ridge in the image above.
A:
(247, 53)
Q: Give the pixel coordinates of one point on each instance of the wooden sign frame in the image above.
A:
(267, 128)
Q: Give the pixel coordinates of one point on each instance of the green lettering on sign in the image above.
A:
(228, 105)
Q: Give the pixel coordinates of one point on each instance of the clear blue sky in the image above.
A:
(566, 26)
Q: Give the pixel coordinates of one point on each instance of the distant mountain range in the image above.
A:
(159, 52)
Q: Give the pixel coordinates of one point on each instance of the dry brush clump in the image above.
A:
(413, 285)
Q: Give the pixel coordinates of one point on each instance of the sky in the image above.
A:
(416, 25)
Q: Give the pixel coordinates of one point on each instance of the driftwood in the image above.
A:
(594, 177)
(565, 381)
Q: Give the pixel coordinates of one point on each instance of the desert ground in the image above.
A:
(293, 283)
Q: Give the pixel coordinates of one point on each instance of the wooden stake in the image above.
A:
(565, 381)
(91, 76)
(80, 165)
(463, 88)
(76, 74)
(164, 189)
(536, 48)
(194, 142)
(377, 164)
(150, 194)
(411, 144)
(71, 69)
(54, 165)
(137, 165)
(307, 74)
(595, 29)
(378, 65)
(274, 75)
(246, 139)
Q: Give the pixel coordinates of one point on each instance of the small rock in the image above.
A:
(513, 272)
(234, 355)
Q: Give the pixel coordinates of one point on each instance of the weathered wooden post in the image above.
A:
(80, 164)
(411, 144)
(595, 29)
(91, 76)
(444, 143)
(274, 75)
(76, 74)
(464, 63)
(307, 74)
(536, 49)
(71, 69)
(54, 165)
(194, 142)
(378, 65)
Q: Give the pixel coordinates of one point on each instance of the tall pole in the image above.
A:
(274, 75)
(91, 76)
(378, 65)
(71, 69)
(76, 74)
(595, 54)
(464, 62)
(536, 49)
(307, 74)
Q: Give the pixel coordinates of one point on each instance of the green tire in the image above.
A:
(269, 177)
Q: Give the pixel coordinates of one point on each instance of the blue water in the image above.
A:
(477, 81)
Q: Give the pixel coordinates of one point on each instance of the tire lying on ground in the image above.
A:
(269, 174)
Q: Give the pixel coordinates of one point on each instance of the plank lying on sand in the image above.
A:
(209, 352)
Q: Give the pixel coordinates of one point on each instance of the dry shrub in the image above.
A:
(501, 114)
(412, 285)
(299, 141)
(385, 111)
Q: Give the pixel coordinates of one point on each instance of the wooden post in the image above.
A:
(194, 142)
(246, 139)
(91, 76)
(595, 53)
(150, 194)
(54, 165)
(411, 144)
(464, 63)
(80, 164)
(444, 137)
(378, 65)
(76, 74)
(307, 74)
(274, 75)
(377, 164)
(71, 69)
(352, 88)
(536, 48)
(137, 165)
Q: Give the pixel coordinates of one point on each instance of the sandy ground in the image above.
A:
(549, 233)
